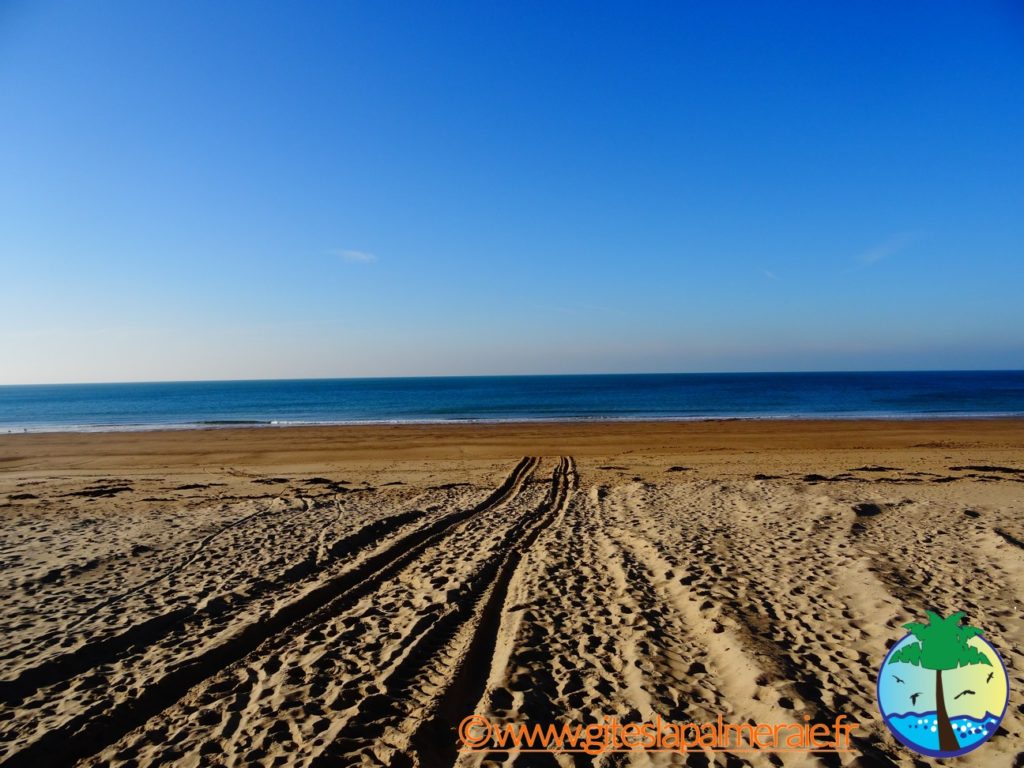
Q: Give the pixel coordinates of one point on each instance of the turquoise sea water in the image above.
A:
(511, 398)
(920, 729)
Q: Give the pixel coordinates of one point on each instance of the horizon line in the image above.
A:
(513, 376)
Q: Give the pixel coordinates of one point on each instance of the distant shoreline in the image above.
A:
(226, 424)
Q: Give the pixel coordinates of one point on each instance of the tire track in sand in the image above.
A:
(434, 741)
(715, 661)
(104, 725)
(111, 649)
(757, 673)
(441, 669)
(313, 681)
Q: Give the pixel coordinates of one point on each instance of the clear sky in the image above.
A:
(205, 190)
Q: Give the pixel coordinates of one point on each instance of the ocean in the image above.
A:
(920, 729)
(882, 395)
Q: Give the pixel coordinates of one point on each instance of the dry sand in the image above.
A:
(342, 596)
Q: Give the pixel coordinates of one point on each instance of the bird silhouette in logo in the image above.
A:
(965, 692)
(897, 678)
(989, 678)
(913, 698)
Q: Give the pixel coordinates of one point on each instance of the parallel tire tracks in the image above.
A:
(111, 649)
(105, 724)
(478, 612)
(434, 742)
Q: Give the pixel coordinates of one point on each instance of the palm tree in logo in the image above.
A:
(941, 645)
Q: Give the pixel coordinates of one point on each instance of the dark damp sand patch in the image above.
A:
(846, 477)
(102, 491)
(868, 509)
(865, 510)
(842, 477)
(988, 468)
(332, 486)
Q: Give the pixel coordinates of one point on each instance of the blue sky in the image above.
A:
(197, 190)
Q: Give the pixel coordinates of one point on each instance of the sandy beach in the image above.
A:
(346, 595)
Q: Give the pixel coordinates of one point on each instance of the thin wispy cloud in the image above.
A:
(887, 248)
(769, 274)
(358, 257)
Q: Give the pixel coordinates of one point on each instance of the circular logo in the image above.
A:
(943, 689)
